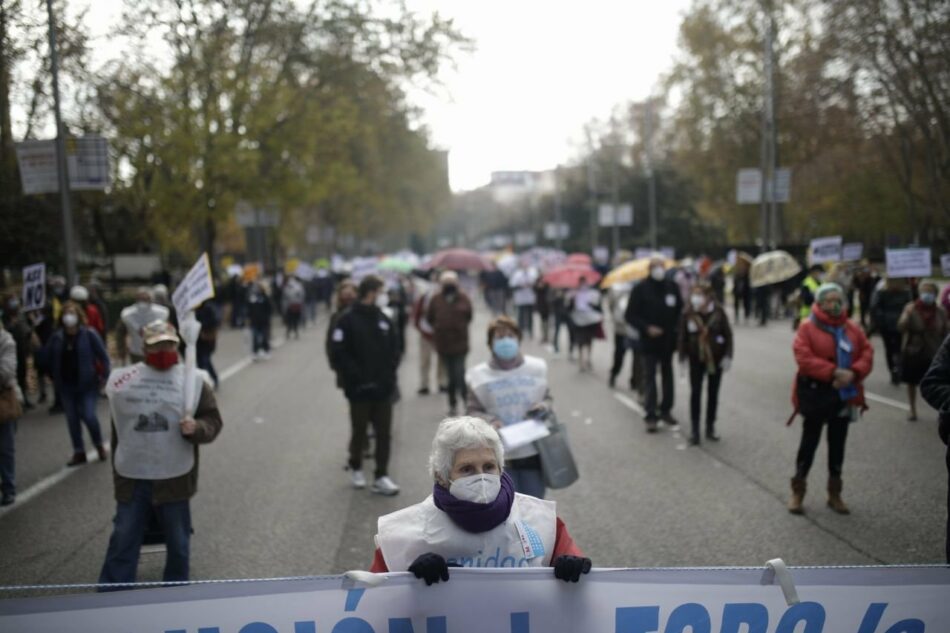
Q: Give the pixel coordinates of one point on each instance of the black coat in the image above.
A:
(935, 388)
(364, 351)
(655, 303)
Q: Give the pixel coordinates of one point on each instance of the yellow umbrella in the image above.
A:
(772, 268)
(631, 271)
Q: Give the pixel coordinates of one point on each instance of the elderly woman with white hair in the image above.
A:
(474, 518)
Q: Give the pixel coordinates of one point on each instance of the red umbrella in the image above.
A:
(569, 276)
(459, 259)
(579, 258)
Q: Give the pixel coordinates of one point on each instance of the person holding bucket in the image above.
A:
(510, 388)
(474, 517)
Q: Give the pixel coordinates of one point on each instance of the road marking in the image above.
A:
(92, 456)
(884, 400)
(630, 404)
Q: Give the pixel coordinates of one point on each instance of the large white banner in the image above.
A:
(908, 262)
(842, 600)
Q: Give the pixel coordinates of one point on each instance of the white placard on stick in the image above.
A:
(945, 264)
(194, 288)
(34, 287)
(825, 249)
(908, 262)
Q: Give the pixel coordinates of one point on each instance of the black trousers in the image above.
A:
(379, 413)
(948, 504)
(697, 373)
(663, 362)
(892, 351)
(621, 345)
(455, 369)
(811, 437)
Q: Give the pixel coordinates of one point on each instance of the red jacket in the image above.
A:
(563, 546)
(816, 355)
(94, 320)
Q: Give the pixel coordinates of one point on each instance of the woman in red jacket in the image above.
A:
(833, 357)
(474, 518)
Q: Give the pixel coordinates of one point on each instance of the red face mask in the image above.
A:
(161, 360)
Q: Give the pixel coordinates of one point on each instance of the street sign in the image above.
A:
(87, 161)
(852, 252)
(605, 214)
(825, 249)
(749, 186)
(601, 254)
(551, 230)
(908, 262)
(194, 288)
(249, 216)
(34, 287)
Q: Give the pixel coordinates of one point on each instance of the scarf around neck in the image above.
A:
(476, 517)
(843, 345)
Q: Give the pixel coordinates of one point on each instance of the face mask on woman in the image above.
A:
(834, 308)
(928, 298)
(697, 301)
(657, 273)
(480, 488)
(505, 347)
(70, 319)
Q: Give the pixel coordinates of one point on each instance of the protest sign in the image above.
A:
(194, 288)
(34, 287)
(852, 252)
(825, 249)
(908, 262)
(945, 264)
(830, 600)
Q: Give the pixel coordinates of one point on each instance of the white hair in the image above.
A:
(453, 435)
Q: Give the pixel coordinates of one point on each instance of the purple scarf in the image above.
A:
(476, 517)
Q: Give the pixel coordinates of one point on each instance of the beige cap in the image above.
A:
(158, 331)
(448, 276)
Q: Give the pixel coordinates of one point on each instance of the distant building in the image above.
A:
(515, 187)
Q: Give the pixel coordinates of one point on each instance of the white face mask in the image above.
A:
(698, 301)
(657, 273)
(70, 319)
(481, 488)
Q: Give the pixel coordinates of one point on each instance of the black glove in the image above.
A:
(570, 568)
(430, 567)
(943, 426)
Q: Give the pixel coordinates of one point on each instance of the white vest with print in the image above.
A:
(146, 408)
(508, 393)
(135, 319)
(524, 539)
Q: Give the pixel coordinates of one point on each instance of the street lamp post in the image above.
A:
(61, 164)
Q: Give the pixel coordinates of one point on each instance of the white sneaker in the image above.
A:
(266, 355)
(385, 486)
(358, 478)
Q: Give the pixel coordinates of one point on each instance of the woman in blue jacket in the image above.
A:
(78, 361)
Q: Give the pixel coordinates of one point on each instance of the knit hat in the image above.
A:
(825, 288)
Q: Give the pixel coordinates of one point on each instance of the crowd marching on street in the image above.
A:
(669, 316)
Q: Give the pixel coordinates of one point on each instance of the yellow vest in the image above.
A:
(812, 284)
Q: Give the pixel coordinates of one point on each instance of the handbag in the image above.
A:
(557, 461)
(10, 407)
(817, 399)
(584, 318)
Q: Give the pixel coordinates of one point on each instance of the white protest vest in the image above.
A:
(508, 393)
(146, 406)
(524, 539)
(135, 319)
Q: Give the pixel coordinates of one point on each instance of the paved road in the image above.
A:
(275, 501)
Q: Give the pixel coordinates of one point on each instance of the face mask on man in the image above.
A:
(928, 298)
(505, 348)
(481, 488)
(697, 301)
(161, 360)
(70, 319)
(657, 273)
(382, 300)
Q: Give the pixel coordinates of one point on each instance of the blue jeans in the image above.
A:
(260, 339)
(129, 525)
(527, 481)
(81, 405)
(7, 462)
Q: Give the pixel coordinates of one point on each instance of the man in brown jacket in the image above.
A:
(450, 313)
(155, 453)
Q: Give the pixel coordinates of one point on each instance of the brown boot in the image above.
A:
(834, 496)
(798, 496)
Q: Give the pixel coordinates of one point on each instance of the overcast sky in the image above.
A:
(541, 70)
